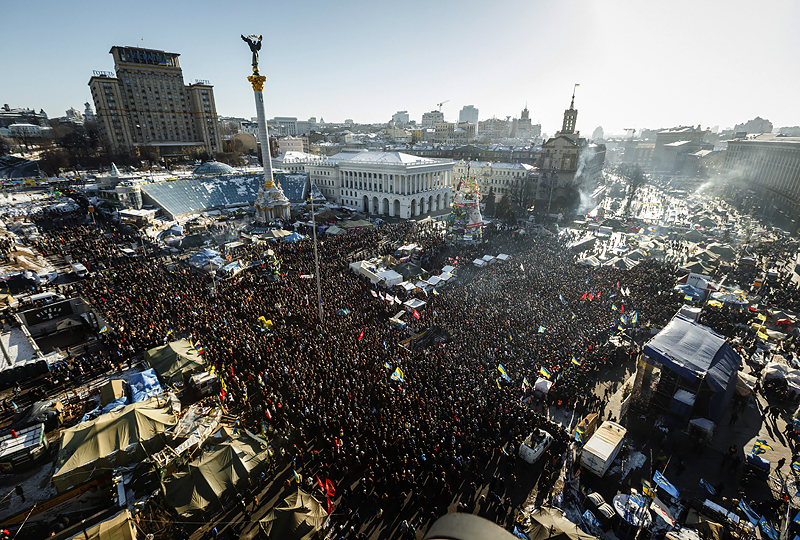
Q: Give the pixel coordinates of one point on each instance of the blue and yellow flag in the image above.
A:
(502, 371)
(543, 372)
(387, 365)
(104, 329)
(761, 446)
(575, 361)
(398, 375)
(497, 380)
(541, 329)
(435, 292)
(615, 308)
(635, 317)
(525, 382)
(170, 332)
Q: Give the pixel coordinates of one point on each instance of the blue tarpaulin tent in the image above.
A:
(691, 290)
(699, 357)
(144, 385)
(294, 237)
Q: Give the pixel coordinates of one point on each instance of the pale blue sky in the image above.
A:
(639, 64)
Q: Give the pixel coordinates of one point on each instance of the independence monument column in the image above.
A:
(271, 202)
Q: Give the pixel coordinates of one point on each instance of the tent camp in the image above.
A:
(274, 234)
(144, 385)
(300, 517)
(213, 479)
(111, 440)
(119, 527)
(175, 361)
(551, 523)
(390, 278)
(689, 369)
(694, 236)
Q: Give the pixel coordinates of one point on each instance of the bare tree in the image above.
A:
(634, 176)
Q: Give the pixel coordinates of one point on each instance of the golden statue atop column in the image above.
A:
(271, 202)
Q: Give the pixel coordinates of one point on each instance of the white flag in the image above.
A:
(521, 267)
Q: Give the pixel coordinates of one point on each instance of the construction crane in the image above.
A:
(442, 103)
(632, 130)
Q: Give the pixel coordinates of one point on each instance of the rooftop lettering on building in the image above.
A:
(147, 56)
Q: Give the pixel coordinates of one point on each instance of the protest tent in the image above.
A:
(175, 361)
(552, 524)
(215, 477)
(689, 357)
(119, 527)
(434, 281)
(480, 263)
(111, 440)
(407, 286)
(445, 277)
(449, 269)
(300, 517)
(333, 230)
(503, 257)
(294, 237)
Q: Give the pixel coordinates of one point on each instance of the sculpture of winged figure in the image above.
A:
(255, 45)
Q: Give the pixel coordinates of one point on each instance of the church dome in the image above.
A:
(214, 167)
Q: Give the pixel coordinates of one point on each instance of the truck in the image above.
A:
(79, 269)
(601, 450)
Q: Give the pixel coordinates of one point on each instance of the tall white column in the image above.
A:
(263, 135)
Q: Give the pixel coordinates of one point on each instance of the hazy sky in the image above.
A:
(639, 64)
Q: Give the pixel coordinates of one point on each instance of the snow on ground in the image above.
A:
(17, 345)
(20, 205)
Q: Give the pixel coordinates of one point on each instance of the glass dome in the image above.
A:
(214, 167)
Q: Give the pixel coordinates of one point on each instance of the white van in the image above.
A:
(42, 299)
(80, 270)
(129, 253)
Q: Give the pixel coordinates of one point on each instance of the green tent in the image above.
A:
(111, 440)
(212, 480)
(302, 517)
(175, 361)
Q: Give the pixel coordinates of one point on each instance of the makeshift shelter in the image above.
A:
(215, 477)
(300, 517)
(688, 370)
(144, 385)
(449, 269)
(691, 290)
(333, 230)
(119, 527)
(111, 440)
(175, 361)
(551, 524)
(414, 304)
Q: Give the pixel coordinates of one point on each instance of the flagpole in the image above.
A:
(316, 254)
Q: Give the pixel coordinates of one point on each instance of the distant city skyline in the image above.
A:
(639, 65)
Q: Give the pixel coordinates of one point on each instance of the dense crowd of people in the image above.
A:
(325, 386)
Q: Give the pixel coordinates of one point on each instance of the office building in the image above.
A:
(146, 103)
(432, 118)
(468, 114)
(769, 165)
(400, 118)
(669, 136)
